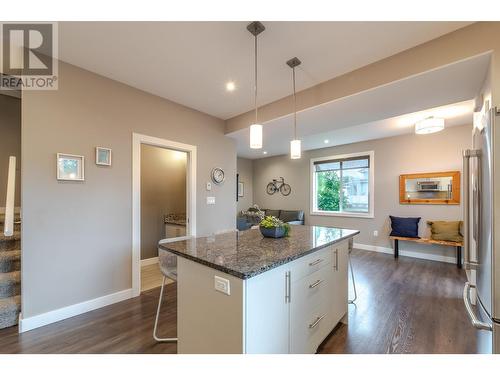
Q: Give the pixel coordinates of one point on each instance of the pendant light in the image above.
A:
(255, 29)
(295, 144)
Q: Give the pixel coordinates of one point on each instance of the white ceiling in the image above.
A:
(385, 111)
(190, 62)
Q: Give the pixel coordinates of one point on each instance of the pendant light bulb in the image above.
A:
(295, 149)
(256, 136)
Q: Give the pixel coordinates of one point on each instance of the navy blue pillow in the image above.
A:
(404, 226)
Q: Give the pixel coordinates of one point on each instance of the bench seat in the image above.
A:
(429, 241)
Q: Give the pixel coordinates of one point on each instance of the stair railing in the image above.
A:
(9, 201)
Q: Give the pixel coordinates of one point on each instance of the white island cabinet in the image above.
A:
(242, 293)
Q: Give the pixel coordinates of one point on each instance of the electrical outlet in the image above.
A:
(210, 200)
(222, 285)
(375, 233)
(209, 186)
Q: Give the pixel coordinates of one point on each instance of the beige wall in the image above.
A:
(163, 191)
(478, 38)
(10, 144)
(393, 156)
(245, 170)
(77, 237)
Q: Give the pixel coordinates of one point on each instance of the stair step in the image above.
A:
(11, 242)
(10, 261)
(10, 284)
(9, 311)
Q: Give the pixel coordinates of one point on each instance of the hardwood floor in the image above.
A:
(403, 306)
(151, 277)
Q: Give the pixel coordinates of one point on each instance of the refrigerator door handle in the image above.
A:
(467, 155)
(472, 315)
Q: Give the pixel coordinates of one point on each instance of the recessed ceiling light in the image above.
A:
(326, 141)
(264, 152)
(230, 86)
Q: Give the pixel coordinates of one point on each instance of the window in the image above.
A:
(343, 185)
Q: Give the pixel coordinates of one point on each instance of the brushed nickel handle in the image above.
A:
(287, 287)
(472, 316)
(315, 284)
(336, 259)
(315, 323)
(317, 261)
(467, 155)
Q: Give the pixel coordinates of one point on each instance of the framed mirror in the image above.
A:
(430, 188)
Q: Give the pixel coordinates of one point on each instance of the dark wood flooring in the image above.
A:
(403, 306)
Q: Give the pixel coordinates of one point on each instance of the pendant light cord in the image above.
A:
(294, 107)
(255, 99)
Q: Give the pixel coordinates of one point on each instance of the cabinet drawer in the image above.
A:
(313, 289)
(309, 328)
(310, 263)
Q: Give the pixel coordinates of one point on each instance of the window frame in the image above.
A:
(371, 186)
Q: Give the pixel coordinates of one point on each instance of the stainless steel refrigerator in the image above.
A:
(479, 250)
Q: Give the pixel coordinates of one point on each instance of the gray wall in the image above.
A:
(163, 191)
(393, 156)
(245, 169)
(77, 237)
(10, 144)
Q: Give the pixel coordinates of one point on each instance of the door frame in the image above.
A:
(137, 141)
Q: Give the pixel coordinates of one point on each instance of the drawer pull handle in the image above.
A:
(317, 261)
(315, 323)
(315, 284)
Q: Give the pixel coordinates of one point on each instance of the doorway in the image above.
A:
(164, 202)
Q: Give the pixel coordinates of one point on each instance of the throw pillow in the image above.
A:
(404, 226)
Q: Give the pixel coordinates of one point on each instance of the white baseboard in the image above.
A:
(407, 253)
(149, 261)
(27, 324)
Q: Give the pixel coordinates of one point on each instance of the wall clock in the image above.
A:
(217, 175)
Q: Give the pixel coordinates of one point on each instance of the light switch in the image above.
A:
(222, 285)
(209, 186)
(210, 200)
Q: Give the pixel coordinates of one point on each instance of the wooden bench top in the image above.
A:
(427, 241)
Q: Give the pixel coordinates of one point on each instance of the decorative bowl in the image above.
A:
(276, 232)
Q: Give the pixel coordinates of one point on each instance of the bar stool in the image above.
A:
(168, 267)
(351, 245)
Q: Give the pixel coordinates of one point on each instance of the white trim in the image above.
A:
(407, 253)
(371, 191)
(149, 261)
(137, 140)
(27, 324)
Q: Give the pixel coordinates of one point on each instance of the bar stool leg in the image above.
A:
(159, 339)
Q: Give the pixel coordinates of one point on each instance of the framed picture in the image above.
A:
(240, 189)
(70, 167)
(103, 156)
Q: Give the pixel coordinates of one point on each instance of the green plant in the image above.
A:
(270, 222)
(329, 192)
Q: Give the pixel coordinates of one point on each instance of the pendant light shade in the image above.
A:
(295, 149)
(295, 144)
(429, 125)
(255, 136)
(255, 28)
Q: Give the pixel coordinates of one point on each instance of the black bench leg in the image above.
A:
(459, 256)
(396, 248)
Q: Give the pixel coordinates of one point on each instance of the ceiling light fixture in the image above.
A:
(326, 141)
(230, 86)
(429, 125)
(264, 152)
(295, 144)
(255, 29)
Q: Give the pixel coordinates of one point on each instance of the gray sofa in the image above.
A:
(292, 217)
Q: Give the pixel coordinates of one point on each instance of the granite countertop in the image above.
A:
(246, 254)
(175, 219)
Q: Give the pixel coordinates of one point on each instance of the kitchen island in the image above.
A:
(242, 293)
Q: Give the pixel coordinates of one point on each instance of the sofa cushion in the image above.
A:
(275, 213)
(404, 226)
(446, 230)
(295, 215)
